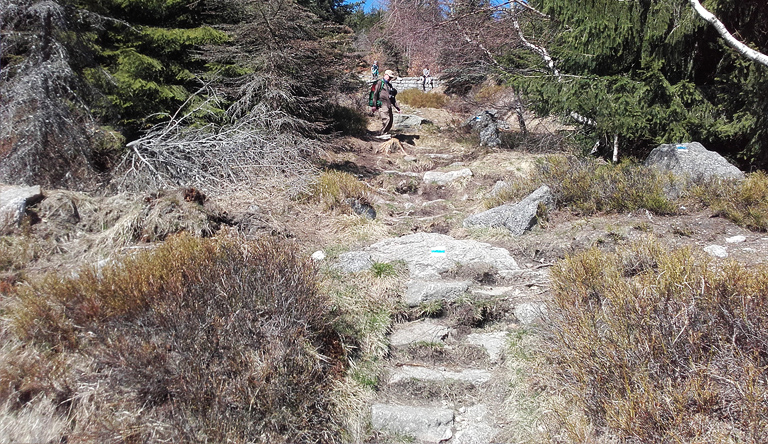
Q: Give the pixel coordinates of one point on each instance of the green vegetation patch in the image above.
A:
(660, 346)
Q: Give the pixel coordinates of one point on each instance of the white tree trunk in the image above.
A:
(740, 47)
(615, 148)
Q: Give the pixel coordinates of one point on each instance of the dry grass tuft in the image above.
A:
(659, 346)
(199, 340)
(421, 99)
(333, 189)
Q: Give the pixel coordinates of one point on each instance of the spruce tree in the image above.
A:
(651, 71)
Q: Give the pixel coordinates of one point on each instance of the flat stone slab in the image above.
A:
(492, 291)
(717, 251)
(14, 201)
(429, 254)
(419, 291)
(411, 121)
(442, 178)
(470, 375)
(473, 426)
(425, 424)
(494, 343)
(423, 330)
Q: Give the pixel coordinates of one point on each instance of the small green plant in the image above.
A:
(420, 99)
(432, 308)
(383, 269)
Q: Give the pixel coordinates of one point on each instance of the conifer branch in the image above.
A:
(740, 47)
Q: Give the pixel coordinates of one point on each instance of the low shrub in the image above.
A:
(421, 99)
(347, 121)
(744, 202)
(660, 346)
(199, 340)
(589, 186)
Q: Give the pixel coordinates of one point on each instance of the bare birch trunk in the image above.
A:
(615, 148)
(740, 47)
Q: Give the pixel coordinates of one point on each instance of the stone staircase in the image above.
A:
(445, 379)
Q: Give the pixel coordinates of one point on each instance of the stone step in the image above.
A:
(425, 424)
(494, 343)
(423, 330)
(474, 425)
(421, 373)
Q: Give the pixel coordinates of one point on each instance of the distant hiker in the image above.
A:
(385, 93)
(426, 79)
(375, 70)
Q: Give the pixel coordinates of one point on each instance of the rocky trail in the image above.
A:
(446, 377)
(450, 374)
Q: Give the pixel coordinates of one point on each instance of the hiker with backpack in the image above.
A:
(375, 70)
(382, 99)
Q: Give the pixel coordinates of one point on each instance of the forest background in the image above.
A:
(85, 84)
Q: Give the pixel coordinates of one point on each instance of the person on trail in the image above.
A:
(375, 70)
(385, 93)
(425, 78)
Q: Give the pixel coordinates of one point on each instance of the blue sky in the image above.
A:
(369, 4)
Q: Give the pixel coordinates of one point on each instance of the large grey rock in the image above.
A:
(416, 250)
(517, 218)
(442, 178)
(409, 121)
(423, 330)
(425, 424)
(14, 201)
(470, 375)
(424, 291)
(693, 161)
(487, 124)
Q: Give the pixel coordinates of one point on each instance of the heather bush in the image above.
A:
(655, 345)
(589, 186)
(198, 340)
(744, 202)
